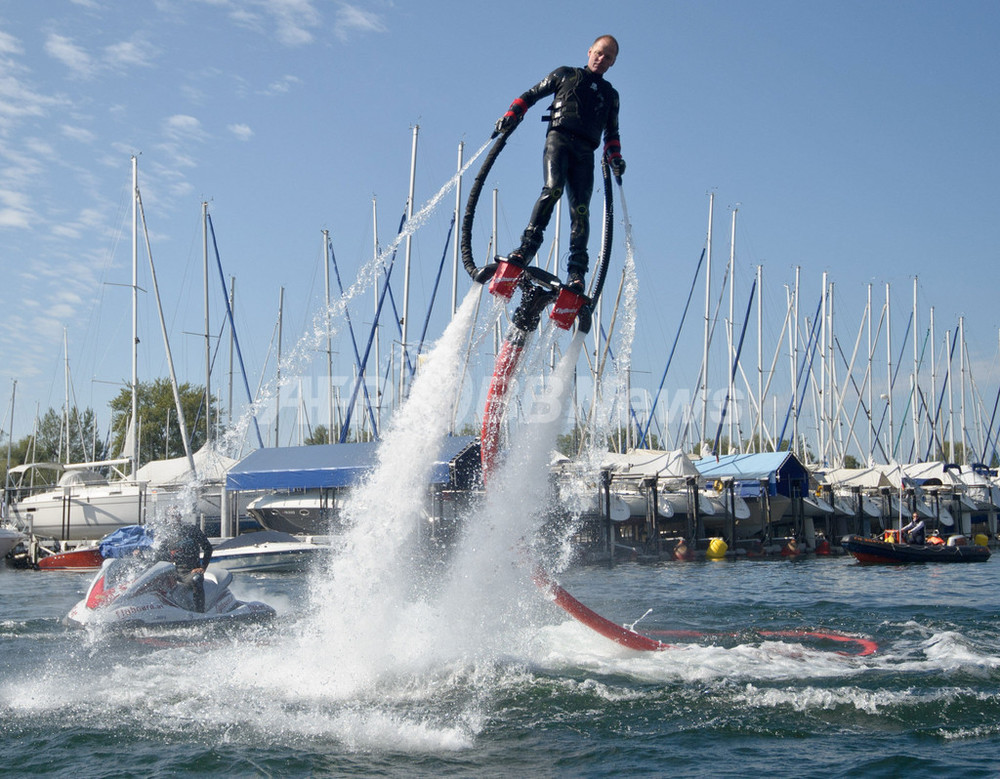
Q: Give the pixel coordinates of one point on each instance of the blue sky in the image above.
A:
(858, 138)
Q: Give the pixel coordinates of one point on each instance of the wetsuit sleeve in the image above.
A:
(612, 140)
(206, 549)
(547, 86)
(520, 106)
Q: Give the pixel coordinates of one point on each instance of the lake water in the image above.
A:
(511, 686)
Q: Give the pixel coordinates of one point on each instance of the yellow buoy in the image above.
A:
(980, 539)
(716, 549)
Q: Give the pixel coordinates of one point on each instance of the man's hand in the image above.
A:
(506, 123)
(510, 120)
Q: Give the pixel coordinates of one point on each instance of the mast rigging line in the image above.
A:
(354, 345)
(371, 336)
(944, 387)
(232, 326)
(673, 347)
(437, 282)
(736, 362)
(811, 352)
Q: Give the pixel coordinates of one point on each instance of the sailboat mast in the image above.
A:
(329, 335)
(10, 442)
(760, 359)
(951, 401)
(375, 326)
(277, 384)
(708, 314)
(823, 328)
(888, 371)
(232, 349)
(931, 412)
(66, 393)
(456, 249)
(961, 397)
(916, 371)
(795, 367)
(135, 317)
(208, 333)
(406, 269)
(871, 382)
(729, 329)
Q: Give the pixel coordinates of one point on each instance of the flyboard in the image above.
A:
(540, 289)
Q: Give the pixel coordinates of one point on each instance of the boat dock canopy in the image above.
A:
(341, 465)
(779, 469)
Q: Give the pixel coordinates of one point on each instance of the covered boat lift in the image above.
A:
(340, 466)
(774, 484)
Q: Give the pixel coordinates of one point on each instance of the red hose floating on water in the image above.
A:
(539, 289)
(593, 620)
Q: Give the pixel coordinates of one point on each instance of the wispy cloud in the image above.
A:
(80, 134)
(9, 44)
(352, 19)
(89, 219)
(18, 100)
(183, 127)
(14, 209)
(80, 63)
(282, 85)
(292, 21)
(136, 52)
(241, 131)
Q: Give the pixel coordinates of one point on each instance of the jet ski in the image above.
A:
(128, 592)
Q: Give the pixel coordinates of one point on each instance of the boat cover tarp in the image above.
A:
(327, 465)
(864, 478)
(650, 462)
(211, 465)
(125, 541)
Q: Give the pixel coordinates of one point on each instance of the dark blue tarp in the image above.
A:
(326, 465)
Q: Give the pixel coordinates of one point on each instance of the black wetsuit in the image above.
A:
(187, 547)
(585, 107)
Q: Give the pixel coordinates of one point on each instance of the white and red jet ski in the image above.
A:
(130, 593)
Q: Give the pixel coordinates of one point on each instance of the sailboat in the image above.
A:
(85, 503)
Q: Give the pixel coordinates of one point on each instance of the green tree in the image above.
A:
(48, 443)
(157, 440)
(320, 435)
(50, 438)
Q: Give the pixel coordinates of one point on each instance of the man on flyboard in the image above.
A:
(584, 108)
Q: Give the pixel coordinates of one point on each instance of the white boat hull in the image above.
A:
(267, 551)
(91, 511)
(8, 540)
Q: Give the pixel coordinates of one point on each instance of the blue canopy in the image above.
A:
(779, 469)
(336, 465)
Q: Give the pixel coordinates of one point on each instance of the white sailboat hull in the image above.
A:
(76, 514)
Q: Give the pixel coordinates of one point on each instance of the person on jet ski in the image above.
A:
(186, 546)
(584, 108)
